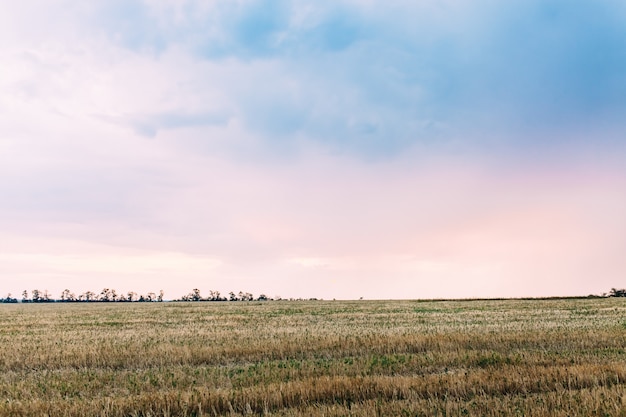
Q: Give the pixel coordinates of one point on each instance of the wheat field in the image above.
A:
(558, 357)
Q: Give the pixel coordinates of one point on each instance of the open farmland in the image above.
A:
(322, 358)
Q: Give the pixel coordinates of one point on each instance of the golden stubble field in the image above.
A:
(315, 358)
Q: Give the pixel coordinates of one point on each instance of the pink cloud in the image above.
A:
(334, 227)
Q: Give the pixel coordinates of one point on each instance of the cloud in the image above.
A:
(374, 81)
(358, 78)
(149, 125)
(326, 226)
(131, 23)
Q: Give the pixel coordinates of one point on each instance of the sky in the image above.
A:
(332, 149)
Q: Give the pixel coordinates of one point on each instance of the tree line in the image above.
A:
(67, 296)
(111, 295)
(195, 295)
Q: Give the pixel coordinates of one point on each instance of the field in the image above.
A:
(315, 358)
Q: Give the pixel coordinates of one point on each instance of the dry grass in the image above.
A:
(365, 358)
